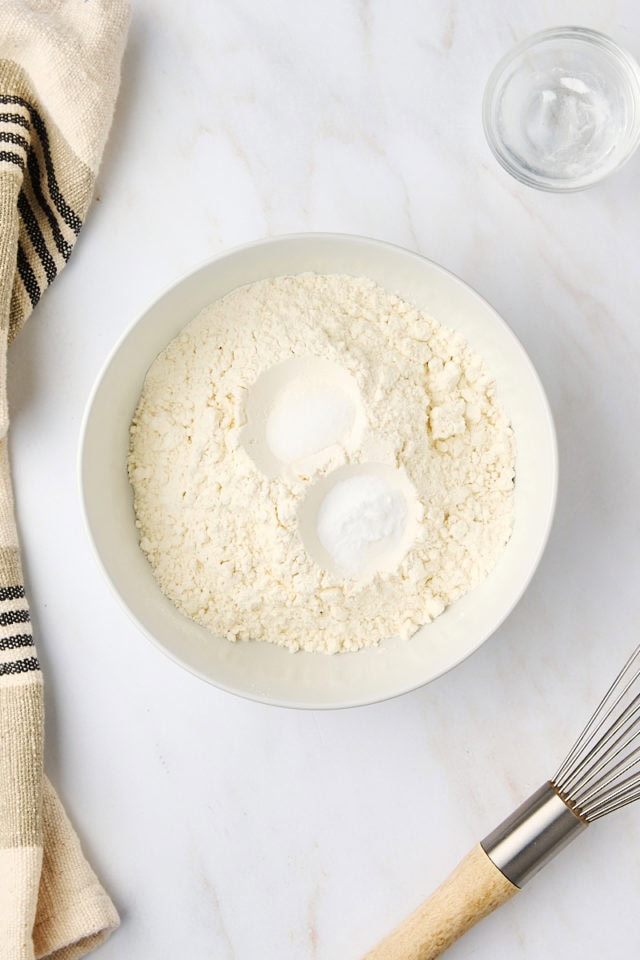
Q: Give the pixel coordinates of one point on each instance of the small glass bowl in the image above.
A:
(561, 111)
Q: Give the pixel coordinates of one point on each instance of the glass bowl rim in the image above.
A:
(585, 35)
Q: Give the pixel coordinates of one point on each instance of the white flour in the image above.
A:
(219, 519)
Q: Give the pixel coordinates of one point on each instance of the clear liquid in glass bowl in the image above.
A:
(562, 110)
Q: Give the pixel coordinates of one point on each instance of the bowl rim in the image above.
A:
(291, 703)
(586, 35)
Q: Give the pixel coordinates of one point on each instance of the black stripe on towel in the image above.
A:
(9, 617)
(69, 216)
(19, 666)
(10, 157)
(17, 641)
(35, 235)
(28, 277)
(12, 593)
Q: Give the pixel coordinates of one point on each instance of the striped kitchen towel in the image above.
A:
(59, 75)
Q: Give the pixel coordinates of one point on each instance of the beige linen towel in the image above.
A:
(59, 75)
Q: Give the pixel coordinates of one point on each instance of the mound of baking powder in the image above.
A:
(245, 427)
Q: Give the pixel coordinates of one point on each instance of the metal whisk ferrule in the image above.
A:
(532, 835)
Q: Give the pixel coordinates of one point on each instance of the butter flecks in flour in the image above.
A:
(223, 531)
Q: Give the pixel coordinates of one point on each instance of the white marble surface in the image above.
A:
(226, 829)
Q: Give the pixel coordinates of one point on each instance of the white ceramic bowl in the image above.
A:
(262, 671)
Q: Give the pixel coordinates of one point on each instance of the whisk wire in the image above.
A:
(601, 772)
(600, 715)
(613, 770)
(611, 804)
(595, 723)
(620, 735)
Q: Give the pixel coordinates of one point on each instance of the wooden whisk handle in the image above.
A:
(474, 889)
(494, 870)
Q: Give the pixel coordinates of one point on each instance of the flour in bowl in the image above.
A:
(317, 464)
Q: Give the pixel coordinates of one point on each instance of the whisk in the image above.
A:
(600, 774)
